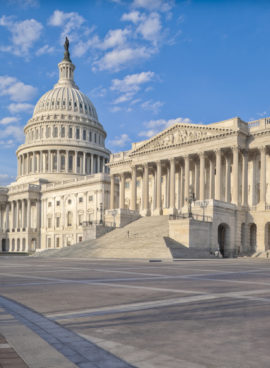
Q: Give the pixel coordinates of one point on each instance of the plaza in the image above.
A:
(86, 313)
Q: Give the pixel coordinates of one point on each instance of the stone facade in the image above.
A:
(62, 181)
(223, 165)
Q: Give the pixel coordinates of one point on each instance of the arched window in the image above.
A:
(69, 218)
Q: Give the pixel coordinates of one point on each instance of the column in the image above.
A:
(133, 188)
(254, 180)
(186, 192)
(92, 163)
(112, 190)
(146, 189)
(7, 217)
(228, 181)
(84, 164)
(28, 213)
(17, 214)
(122, 191)
(218, 175)
(202, 175)
(172, 185)
(263, 175)
(66, 162)
(158, 209)
(235, 175)
(211, 178)
(38, 214)
(63, 212)
(58, 168)
(98, 163)
(23, 214)
(244, 177)
(196, 179)
(12, 215)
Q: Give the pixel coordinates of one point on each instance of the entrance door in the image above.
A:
(221, 239)
(4, 245)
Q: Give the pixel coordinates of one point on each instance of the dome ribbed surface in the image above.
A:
(66, 99)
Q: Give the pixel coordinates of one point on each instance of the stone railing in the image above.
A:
(192, 216)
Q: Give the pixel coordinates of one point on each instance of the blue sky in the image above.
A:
(144, 63)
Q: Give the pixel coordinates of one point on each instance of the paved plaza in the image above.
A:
(192, 314)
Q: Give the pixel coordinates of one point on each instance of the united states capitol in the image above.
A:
(200, 188)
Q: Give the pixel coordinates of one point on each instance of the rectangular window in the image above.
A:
(77, 133)
(95, 137)
(57, 242)
(49, 222)
(81, 199)
(54, 162)
(90, 198)
(70, 163)
(70, 132)
(63, 161)
(55, 132)
(57, 221)
(63, 132)
(49, 242)
(90, 136)
(84, 135)
(57, 203)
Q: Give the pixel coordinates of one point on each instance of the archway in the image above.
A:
(253, 238)
(243, 237)
(224, 240)
(4, 245)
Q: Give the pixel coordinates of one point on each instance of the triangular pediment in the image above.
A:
(181, 134)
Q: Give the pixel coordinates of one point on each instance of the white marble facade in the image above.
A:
(62, 178)
(226, 166)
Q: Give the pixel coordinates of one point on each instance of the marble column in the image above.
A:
(263, 175)
(28, 213)
(98, 164)
(7, 217)
(202, 176)
(12, 215)
(38, 214)
(186, 192)
(17, 214)
(133, 188)
(172, 185)
(146, 190)
(244, 177)
(235, 175)
(196, 179)
(122, 191)
(66, 161)
(23, 214)
(218, 175)
(211, 178)
(112, 191)
(158, 189)
(92, 163)
(228, 179)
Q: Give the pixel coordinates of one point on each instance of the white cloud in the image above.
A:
(98, 92)
(6, 179)
(12, 131)
(115, 38)
(150, 28)
(133, 17)
(9, 120)
(153, 106)
(159, 5)
(46, 49)
(15, 89)
(131, 82)
(120, 141)
(81, 47)
(23, 34)
(24, 3)
(119, 58)
(20, 107)
(115, 109)
(69, 22)
(155, 126)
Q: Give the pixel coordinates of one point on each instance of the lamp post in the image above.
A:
(203, 205)
(189, 200)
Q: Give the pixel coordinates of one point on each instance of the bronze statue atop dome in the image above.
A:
(67, 54)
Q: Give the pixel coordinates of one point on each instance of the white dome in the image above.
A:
(66, 99)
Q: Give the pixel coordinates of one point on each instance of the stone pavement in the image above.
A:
(63, 313)
(8, 356)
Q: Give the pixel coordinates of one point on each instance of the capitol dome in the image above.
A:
(64, 135)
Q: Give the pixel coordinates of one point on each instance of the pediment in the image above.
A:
(181, 134)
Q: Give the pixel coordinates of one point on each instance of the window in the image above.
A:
(80, 219)
(57, 242)
(80, 199)
(78, 161)
(70, 163)
(90, 198)
(50, 204)
(63, 132)
(70, 132)
(90, 136)
(69, 201)
(69, 219)
(63, 160)
(80, 239)
(77, 133)
(48, 132)
(84, 135)
(54, 162)
(95, 137)
(57, 222)
(49, 222)
(127, 184)
(138, 183)
(55, 132)
(57, 203)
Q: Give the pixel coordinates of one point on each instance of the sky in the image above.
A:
(145, 64)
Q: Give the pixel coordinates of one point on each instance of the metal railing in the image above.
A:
(193, 216)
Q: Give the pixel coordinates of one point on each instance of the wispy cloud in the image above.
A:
(46, 49)
(23, 35)
(24, 3)
(120, 141)
(20, 107)
(153, 106)
(153, 127)
(9, 120)
(161, 5)
(15, 89)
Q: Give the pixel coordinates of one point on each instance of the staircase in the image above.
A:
(144, 238)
